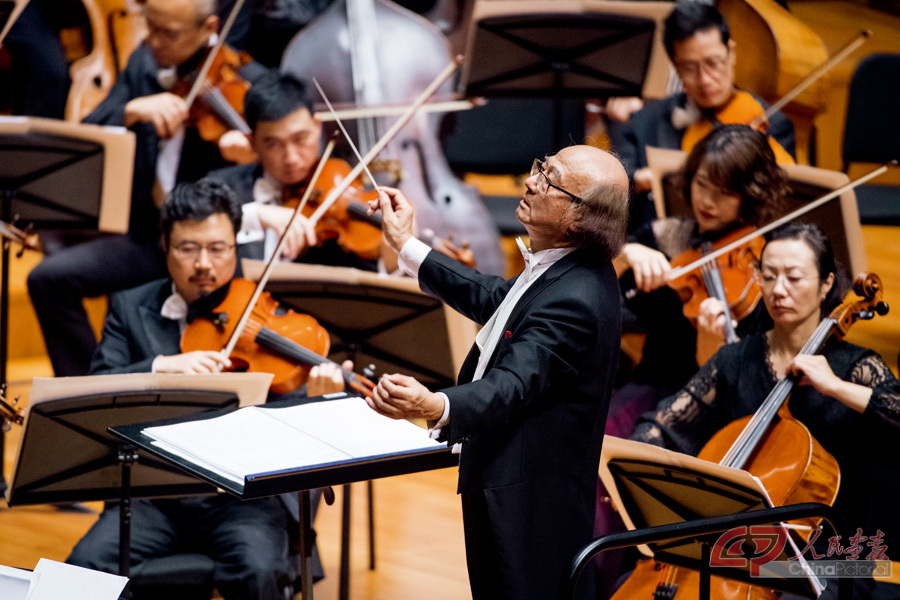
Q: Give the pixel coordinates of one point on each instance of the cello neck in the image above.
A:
(743, 448)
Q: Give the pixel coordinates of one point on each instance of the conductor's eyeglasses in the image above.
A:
(192, 250)
(537, 167)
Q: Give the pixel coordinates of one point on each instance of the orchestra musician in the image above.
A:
(531, 402)
(730, 180)
(248, 540)
(179, 33)
(698, 43)
(286, 138)
(847, 394)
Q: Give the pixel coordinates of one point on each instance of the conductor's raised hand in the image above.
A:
(398, 216)
(402, 397)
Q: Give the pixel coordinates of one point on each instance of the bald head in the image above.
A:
(600, 219)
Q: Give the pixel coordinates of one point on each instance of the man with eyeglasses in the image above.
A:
(533, 393)
(248, 540)
(697, 40)
(166, 152)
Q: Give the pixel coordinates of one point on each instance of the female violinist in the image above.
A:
(731, 181)
(847, 398)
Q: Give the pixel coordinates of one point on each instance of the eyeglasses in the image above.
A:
(712, 65)
(166, 33)
(768, 281)
(537, 167)
(192, 250)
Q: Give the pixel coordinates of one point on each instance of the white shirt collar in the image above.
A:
(175, 307)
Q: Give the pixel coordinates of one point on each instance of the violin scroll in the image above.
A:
(869, 289)
(9, 414)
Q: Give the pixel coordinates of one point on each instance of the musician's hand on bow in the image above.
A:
(327, 378)
(642, 180)
(402, 397)
(302, 234)
(198, 361)
(650, 266)
(620, 109)
(166, 112)
(234, 146)
(398, 216)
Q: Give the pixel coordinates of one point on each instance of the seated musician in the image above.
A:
(286, 137)
(167, 151)
(698, 43)
(847, 394)
(248, 540)
(731, 181)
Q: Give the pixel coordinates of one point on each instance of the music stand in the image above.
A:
(384, 321)
(839, 219)
(653, 487)
(59, 175)
(568, 48)
(67, 454)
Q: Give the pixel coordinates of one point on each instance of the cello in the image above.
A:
(387, 54)
(774, 446)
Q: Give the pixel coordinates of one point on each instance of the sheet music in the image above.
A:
(257, 440)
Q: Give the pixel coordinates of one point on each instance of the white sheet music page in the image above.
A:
(257, 440)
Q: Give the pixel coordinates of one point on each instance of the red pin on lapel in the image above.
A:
(507, 334)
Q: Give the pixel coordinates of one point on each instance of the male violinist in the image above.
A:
(533, 393)
(248, 540)
(697, 40)
(286, 138)
(167, 151)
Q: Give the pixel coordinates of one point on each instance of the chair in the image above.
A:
(872, 133)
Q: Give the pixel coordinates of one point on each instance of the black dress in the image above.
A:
(736, 381)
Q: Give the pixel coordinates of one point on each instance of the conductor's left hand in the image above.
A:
(402, 397)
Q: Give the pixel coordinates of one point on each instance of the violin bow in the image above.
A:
(264, 278)
(676, 273)
(814, 76)
(410, 112)
(204, 70)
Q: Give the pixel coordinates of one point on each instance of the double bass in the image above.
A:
(379, 52)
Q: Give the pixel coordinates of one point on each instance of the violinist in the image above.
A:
(848, 398)
(248, 540)
(698, 43)
(179, 32)
(286, 138)
(730, 180)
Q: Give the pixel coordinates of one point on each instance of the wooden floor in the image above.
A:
(419, 530)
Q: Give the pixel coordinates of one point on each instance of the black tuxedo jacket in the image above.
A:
(533, 425)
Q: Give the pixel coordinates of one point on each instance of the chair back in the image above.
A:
(872, 130)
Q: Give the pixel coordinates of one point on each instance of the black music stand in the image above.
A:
(561, 50)
(62, 176)
(300, 479)
(654, 488)
(67, 454)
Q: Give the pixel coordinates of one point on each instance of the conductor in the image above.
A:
(530, 405)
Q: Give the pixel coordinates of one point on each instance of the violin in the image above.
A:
(223, 96)
(729, 279)
(742, 109)
(776, 448)
(282, 342)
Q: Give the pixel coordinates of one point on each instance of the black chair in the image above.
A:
(872, 133)
(176, 577)
(503, 137)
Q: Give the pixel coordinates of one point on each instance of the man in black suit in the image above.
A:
(285, 136)
(248, 540)
(531, 402)
(698, 42)
(179, 32)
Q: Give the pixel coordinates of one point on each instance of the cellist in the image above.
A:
(848, 397)
(248, 540)
(698, 43)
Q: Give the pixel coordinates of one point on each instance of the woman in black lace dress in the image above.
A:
(847, 397)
